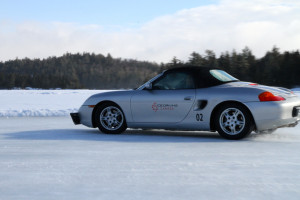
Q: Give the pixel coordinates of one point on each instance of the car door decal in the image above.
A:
(163, 107)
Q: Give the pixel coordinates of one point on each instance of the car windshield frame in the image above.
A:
(150, 81)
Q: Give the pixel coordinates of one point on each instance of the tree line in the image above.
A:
(275, 68)
(75, 71)
(96, 71)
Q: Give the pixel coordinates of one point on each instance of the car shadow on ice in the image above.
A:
(130, 135)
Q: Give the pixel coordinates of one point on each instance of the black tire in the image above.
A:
(233, 121)
(110, 118)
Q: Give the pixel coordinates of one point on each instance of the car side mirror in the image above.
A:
(148, 86)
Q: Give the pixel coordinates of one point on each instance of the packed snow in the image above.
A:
(43, 155)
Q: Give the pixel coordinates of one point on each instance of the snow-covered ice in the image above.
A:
(50, 158)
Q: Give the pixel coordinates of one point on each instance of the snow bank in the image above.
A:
(297, 90)
(46, 103)
(42, 103)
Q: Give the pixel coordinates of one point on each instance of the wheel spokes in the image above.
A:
(232, 121)
(233, 130)
(240, 123)
(111, 118)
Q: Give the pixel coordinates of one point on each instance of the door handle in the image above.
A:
(188, 98)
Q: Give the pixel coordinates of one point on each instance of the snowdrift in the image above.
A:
(46, 103)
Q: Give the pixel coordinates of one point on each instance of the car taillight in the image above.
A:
(268, 96)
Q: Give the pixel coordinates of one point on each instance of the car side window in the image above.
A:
(174, 81)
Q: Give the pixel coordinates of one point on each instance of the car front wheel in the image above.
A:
(233, 121)
(110, 119)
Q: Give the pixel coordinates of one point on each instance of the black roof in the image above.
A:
(201, 75)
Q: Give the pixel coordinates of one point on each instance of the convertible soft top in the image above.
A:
(203, 76)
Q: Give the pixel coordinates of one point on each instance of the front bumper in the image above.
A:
(75, 118)
(85, 114)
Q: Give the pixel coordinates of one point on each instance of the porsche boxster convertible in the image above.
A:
(193, 98)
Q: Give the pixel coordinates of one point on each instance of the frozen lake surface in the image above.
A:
(50, 158)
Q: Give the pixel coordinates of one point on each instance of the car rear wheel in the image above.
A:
(233, 121)
(110, 119)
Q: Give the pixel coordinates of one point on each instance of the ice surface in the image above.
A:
(50, 158)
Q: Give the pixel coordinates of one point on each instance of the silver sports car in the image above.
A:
(193, 98)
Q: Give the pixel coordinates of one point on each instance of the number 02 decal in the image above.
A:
(199, 117)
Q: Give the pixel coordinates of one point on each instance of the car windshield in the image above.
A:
(222, 76)
(151, 80)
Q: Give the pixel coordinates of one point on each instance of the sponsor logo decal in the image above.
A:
(154, 107)
(163, 107)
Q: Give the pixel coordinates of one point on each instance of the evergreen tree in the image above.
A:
(85, 70)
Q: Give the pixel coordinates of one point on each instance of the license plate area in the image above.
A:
(296, 111)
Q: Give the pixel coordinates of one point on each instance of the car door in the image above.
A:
(169, 101)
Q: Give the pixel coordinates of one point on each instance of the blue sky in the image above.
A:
(102, 12)
(152, 30)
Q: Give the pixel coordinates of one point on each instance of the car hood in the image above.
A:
(119, 95)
